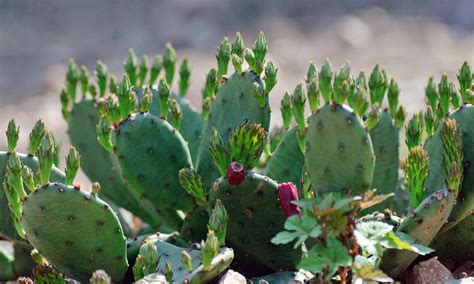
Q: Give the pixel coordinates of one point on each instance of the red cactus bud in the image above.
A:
(288, 192)
(235, 173)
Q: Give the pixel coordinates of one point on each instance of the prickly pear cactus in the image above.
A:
(287, 162)
(339, 154)
(255, 216)
(423, 225)
(191, 271)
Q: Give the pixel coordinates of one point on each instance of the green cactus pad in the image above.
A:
(97, 163)
(423, 225)
(7, 229)
(255, 217)
(75, 231)
(385, 141)
(195, 225)
(171, 253)
(287, 162)
(456, 244)
(234, 103)
(339, 154)
(464, 116)
(150, 153)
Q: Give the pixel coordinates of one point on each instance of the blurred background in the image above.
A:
(411, 39)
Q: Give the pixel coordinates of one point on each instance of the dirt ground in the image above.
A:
(412, 41)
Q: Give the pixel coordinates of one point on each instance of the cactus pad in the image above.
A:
(255, 217)
(339, 154)
(234, 103)
(75, 231)
(151, 153)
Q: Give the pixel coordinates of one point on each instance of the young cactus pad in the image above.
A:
(170, 253)
(234, 103)
(151, 153)
(75, 231)
(423, 225)
(339, 154)
(464, 117)
(255, 217)
(98, 164)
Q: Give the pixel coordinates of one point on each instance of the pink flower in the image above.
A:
(235, 173)
(288, 192)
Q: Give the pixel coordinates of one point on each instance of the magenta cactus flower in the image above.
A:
(288, 192)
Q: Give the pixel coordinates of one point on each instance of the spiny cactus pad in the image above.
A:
(97, 163)
(7, 228)
(464, 116)
(170, 253)
(75, 231)
(234, 103)
(151, 153)
(255, 217)
(339, 154)
(385, 141)
(423, 225)
(287, 162)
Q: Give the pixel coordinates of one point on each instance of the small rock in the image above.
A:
(465, 270)
(232, 277)
(428, 272)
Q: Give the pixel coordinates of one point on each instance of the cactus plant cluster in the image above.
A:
(324, 197)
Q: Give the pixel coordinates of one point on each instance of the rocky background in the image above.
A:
(411, 39)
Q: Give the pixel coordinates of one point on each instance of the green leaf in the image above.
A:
(329, 257)
(298, 228)
(369, 234)
(363, 271)
(403, 241)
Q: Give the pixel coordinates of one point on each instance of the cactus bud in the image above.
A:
(250, 58)
(191, 181)
(14, 177)
(210, 87)
(298, 101)
(133, 102)
(184, 77)
(416, 173)
(285, 109)
(400, 117)
(123, 93)
(64, 99)
(72, 78)
(235, 173)
(413, 131)
(113, 109)
(359, 102)
(218, 151)
(187, 261)
(325, 80)
(218, 221)
(259, 94)
(146, 100)
(113, 85)
(72, 165)
(270, 77)
(431, 93)
(143, 69)
(102, 74)
(377, 85)
(444, 94)
(341, 91)
(147, 263)
(28, 178)
(238, 47)
(163, 96)
(465, 81)
(260, 48)
(431, 121)
(453, 154)
(454, 95)
(13, 133)
(312, 72)
(84, 80)
(237, 61)
(46, 153)
(206, 106)
(175, 114)
(301, 138)
(169, 63)
(169, 271)
(362, 81)
(131, 66)
(100, 277)
(209, 250)
(344, 74)
(246, 143)
(155, 69)
(373, 116)
(103, 135)
(392, 94)
(287, 192)
(223, 57)
(92, 91)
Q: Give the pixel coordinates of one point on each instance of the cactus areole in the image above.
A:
(235, 173)
(287, 192)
